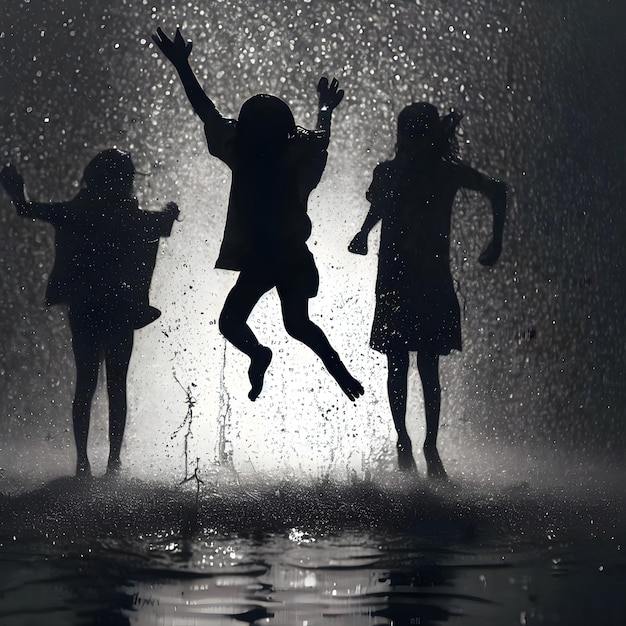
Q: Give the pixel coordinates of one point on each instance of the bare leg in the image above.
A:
(397, 372)
(295, 309)
(428, 366)
(86, 356)
(233, 325)
(117, 355)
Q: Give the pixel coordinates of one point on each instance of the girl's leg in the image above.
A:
(295, 308)
(87, 358)
(233, 325)
(428, 366)
(117, 356)
(397, 372)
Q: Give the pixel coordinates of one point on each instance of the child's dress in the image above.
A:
(416, 305)
(105, 253)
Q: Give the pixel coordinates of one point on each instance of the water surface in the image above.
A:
(400, 551)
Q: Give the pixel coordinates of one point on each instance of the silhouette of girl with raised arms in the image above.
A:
(416, 305)
(275, 165)
(105, 253)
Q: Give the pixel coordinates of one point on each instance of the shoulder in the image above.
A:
(221, 128)
(82, 204)
(466, 176)
(132, 212)
(57, 213)
(385, 167)
(220, 124)
(220, 135)
(382, 181)
(132, 205)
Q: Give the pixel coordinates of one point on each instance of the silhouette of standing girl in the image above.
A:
(416, 305)
(275, 165)
(105, 253)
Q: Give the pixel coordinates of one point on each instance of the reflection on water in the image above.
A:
(375, 554)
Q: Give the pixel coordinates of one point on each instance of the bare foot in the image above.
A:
(349, 385)
(434, 465)
(256, 371)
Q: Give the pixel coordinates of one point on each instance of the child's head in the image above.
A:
(422, 132)
(110, 173)
(265, 122)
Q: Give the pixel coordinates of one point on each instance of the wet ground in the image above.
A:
(395, 552)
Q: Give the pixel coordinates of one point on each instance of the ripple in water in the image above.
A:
(308, 553)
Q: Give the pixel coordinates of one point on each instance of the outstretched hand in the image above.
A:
(358, 245)
(176, 50)
(12, 182)
(330, 95)
(490, 254)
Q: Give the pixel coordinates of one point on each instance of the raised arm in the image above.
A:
(13, 184)
(177, 51)
(496, 191)
(329, 98)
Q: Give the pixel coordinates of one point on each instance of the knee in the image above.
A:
(431, 388)
(232, 316)
(86, 380)
(225, 322)
(116, 388)
(297, 328)
(83, 395)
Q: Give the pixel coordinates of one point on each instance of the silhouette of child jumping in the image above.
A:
(105, 253)
(416, 305)
(275, 165)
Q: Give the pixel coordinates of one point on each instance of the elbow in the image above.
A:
(499, 191)
(324, 141)
(22, 208)
(499, 187)
(504, 191)
(321, 136)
